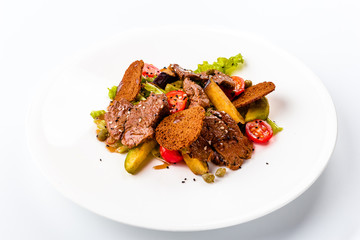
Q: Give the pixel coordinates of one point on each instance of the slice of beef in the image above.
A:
(218, 77)
(184, 73)
(230, 145)
(196, 94)
(235, 147)
(221, 79)
(214, 129)
(211, 132)
(201, 150)
(115, 119)
(143, 118)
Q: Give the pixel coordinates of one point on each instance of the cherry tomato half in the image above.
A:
(239, 85)
(177, 100)
(258, 131)
(170, 156)
(150, 70)
(239, 88)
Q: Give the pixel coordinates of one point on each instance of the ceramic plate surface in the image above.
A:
(61, 134)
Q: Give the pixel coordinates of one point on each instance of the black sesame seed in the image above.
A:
(184, 178)
(100, 159)
(267, 163)
(167, 167)
(107, 146)
(182, 181)
(194, 179)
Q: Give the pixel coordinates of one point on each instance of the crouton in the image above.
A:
(130, 84)
(254, 93)
(180, 129)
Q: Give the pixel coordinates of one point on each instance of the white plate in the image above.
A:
(61, 134)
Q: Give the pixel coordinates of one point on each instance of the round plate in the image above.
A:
(61, 134)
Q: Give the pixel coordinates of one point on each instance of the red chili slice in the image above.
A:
(177, 100)
(258, 131)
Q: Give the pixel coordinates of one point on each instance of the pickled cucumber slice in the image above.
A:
(258, 110)
(197, 166)
(137, 156)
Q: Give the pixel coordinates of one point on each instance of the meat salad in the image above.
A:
(199, 117)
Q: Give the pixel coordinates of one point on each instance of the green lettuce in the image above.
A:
(225, 65)
(174, 86)
(152, 88)
(96, 114)
(112, 92)
(274, 126)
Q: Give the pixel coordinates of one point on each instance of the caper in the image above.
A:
(220, 172)
(248, 83)
(208, 177)
(122, 149)
(102, 135)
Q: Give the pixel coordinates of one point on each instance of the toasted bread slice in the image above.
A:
(130, 84)
(254, 93)
(180, 129)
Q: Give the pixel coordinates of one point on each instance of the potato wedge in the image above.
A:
(197, 166)
(137, 156)
(221, 101)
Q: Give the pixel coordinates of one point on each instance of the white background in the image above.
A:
(36, 36)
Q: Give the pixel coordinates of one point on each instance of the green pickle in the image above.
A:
(258, 110)
(137, 156)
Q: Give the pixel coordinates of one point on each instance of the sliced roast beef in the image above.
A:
(230, 147)
(235, 147)
(201, 149)
(221, 79)
(143, 118)
(184, 73)
(196, 94)
(115, 119)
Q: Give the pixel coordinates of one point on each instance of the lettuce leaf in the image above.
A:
(152, 88)
(174, 86)
(112, 92)
(274, 126)
(96, 114)
(225, 65)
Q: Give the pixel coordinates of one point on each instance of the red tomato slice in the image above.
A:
(170, 156)
(177, 100)
(239, 88)
(150, 70)
(258, 131)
